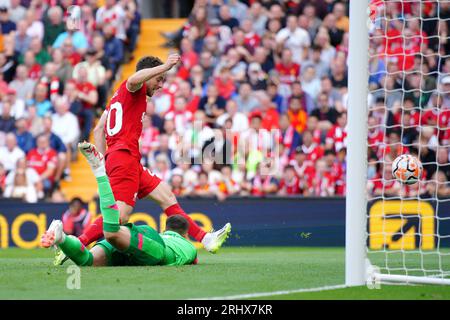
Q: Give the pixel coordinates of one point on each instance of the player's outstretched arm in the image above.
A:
(99, 133)
(136, 80)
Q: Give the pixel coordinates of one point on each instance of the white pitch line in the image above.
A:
(274, 293)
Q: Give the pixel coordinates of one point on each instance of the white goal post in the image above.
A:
(408, 260)
(356, 197)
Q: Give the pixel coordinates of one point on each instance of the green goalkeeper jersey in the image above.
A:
(179, 250)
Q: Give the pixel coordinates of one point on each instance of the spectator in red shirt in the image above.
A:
(384, 184)
(52, 82)
(393, 147)
(288, 71)
(44, 160)
(337, 170)
(88, 95)
(70, 55)
(252, 39)
(312, 125)
(268, 111)
(34, 69)
(322, 183)
(409, 108)
(189, 58)
(289, 184)
(224, 83)
(262, 183)
(241, 44)
(310, 148)
(76, 219)
(337, 136)
(375, 134)
(302, 166)
(192, 96)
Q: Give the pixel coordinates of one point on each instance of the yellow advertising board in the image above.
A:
(401, 225)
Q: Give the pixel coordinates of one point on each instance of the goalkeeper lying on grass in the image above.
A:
(123, 245)
(132, 245)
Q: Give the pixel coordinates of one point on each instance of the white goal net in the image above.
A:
(409, 112)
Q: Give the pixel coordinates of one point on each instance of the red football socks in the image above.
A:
(92, 233)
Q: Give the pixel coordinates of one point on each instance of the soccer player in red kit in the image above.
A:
(120, 127)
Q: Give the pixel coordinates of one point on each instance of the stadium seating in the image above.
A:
(83, 184)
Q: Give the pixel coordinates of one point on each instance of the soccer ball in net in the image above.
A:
(407, 169)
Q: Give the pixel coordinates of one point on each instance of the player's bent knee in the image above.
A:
(163, 195)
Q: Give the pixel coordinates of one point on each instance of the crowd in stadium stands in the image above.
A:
(54, 81)
(257, 106)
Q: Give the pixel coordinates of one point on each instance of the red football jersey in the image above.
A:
(375, 138)
(123, 125)
(444, 126)
(288, 74)
(430, 116)
(42, 161)
(290, 187)
(313, 152)
(384, 187)
(35, 71)
(321, 184)
(86, 87)
(414, 117)
(338, 137)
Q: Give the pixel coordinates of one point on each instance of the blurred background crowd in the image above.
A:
(271, 74)
(54, 82)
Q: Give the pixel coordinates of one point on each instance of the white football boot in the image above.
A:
(213, 240)
(94, 157)
(54, 234)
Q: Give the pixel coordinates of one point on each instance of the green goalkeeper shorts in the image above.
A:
(136, 255)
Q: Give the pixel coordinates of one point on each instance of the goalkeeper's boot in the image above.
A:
(213, 240)
(60, 257)
(95, 159)
(54, 234)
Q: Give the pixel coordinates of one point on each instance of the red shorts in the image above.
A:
(128, 178)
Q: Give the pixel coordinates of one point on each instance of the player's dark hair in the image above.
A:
(177, 223)
(148, 62)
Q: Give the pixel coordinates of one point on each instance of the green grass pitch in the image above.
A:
(29, 274)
